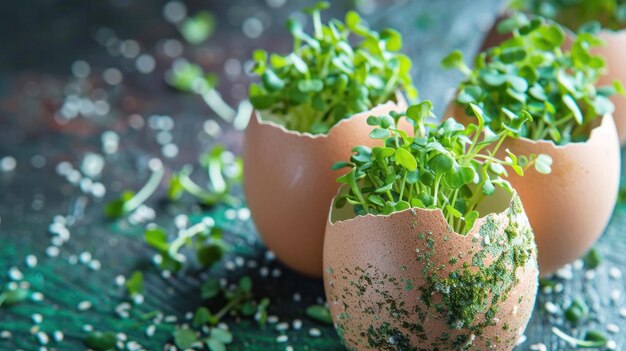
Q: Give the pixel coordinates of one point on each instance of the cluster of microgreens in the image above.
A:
(578, 14)
(328, 78)
(448, 166)
(531, 73)
(224, 171)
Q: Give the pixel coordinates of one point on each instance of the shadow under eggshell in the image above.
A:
(289, 184)
(406, 281)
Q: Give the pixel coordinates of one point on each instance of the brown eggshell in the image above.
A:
(289, 184)
(569, 208)
(398, 282)
(615, 54)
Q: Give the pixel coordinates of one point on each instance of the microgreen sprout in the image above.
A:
(449, 167)
(129, 201)
(197, 28)
(577, 311)
(319, 313)
(224, 171)
(593, 339)
(191, 78)
(203, 237)
(341, 69)
(134, 284)
(593, 258)
(532, 74)
(577, 14)
(101, 341)
(13, 297)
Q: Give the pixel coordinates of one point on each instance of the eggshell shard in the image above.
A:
(615, 54)
(408, 282)
(570, 207)
(289, 184)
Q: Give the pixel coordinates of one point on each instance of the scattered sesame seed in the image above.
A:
(282, 326)
(296, 324)
(539, 347)
(612, 328)
(15, 274)
(95, 265)
(615, 295)
(272, 319)
(37, 318)
(276, 273)
(289, 348)
(150, 330)
(58, 336)
(282, 338)
(31, 261)
(565, 273)
(120, 280)
(87, 328)
(590, 274)
(36, 296)
(138, 299)
(270, 256)
(314, 332)
(84, 305)
(622, 312)
(297, 297)
(121, 337)
(615, 273)
(551, 308)
(5, 334)
(171, 319)
(264, 272)
(43, 338)
(611, 345)
(85, 257)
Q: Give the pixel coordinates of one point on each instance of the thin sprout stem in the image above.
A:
(148, 189)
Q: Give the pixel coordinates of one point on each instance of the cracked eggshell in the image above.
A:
(570, 207)
(406, 281)
(615, 54)
(289, 184)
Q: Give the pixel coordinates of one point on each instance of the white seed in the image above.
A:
(120, 280)
(5, 334)
(37, 296)
(314, 332)
(615, 273)
(622, 312)
(15, 274)
(37, 318)
(613, 328)
(611, 345)
(551, 308)
(31, 261)
(281, 327)
(150, 330)
(87, 328)
(58, 336)
(43, 338)
(296, 324)
(539, 347)
(272, 319)
(522, 339)
(84, 305)
(282, 338)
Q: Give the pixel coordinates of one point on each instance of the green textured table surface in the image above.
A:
(36, 81)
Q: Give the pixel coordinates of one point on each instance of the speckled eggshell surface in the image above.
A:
(289, 184)
(615, 54)
(570, 207)
(408, 282)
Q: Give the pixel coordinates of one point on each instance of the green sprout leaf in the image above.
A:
(13, 297)
(101, 341)
(134, 284)
(406, 159)
(319, 313)
(184, 338)
(198, 28)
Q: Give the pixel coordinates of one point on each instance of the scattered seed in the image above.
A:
(282, 338)
(615, 273)
(551, 308)
(612, 328)
(31, 261)
(37, 318)
(58, 336)
(84, 305)
(314, 332)
(43, 338)
(15, 274)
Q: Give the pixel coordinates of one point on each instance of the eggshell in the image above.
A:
(615, 54)
(570, 207)
(289, 184)
(398, 282)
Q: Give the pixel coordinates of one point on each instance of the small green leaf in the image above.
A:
(222, 335)
(441, 163)
(573, 106)
(406, 159)
(13, 297)
(339, 165)
(210, 288)
(101, 341)
(453, 211)
(543, 164)
(319, 313)
(156, 237)
(134, 284)
(184, 338)
(593, 258)
(198, 28)
(201, 317)
(245, 284)
(310, 86)
(379, 133)
(210, 254)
